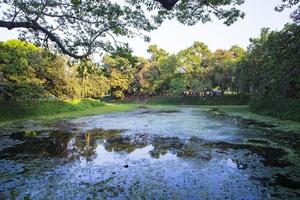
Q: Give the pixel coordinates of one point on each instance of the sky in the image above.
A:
(173, 36)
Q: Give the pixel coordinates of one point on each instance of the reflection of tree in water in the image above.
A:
(192, 148)
(85, 146)
(39, 144)
(165, 145)
(123, 144)
(111, 140)
(58, 145)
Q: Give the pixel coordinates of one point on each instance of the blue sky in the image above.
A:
(174, 37)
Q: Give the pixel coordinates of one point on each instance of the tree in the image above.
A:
(238, 53)
(222, 69)
(121, 72)
(143, 77)
(93, 83)
(82, 27)
(118, 83)
(168, 69)
(272, 63)
(28, 73)
(195, 57)
(152, 75)
(17, 75)
(193, 61)
(55, 73)
(223, 73)
(178, 84)
(243, 75)
(239, 78)
(156, 53)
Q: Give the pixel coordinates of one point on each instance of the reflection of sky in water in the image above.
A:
(105, 157)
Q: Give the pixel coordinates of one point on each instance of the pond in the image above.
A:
(181, 153)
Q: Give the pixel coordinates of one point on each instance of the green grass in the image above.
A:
(55, 109)
(107, 108)
(284, 108)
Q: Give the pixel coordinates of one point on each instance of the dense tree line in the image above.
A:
(272, 65)
(270, 73)
(269, 67)
(28, 73)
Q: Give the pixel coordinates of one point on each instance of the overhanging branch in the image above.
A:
(167, 4)
(36, 27)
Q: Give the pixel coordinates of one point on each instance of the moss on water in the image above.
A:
(51, 110)
(259, 121)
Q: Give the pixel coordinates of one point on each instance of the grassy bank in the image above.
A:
(190, 100)
(59, 109)
(283, 108)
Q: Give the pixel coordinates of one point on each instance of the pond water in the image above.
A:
(182, 153)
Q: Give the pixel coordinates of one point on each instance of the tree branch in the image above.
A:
(167, 4)
(36, 27)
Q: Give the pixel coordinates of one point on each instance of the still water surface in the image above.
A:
(180, 153)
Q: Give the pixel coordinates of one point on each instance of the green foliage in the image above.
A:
(270, 68)
(195, 57)
(92, 82)
(273, 63)
(222, 69)
(120, 73)
(156, 53)
(270, 72)
(17, 75)
(90, 26)
(193, 71)
(290, 4)
(28, 73)
(119, 83)
(177, 84)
